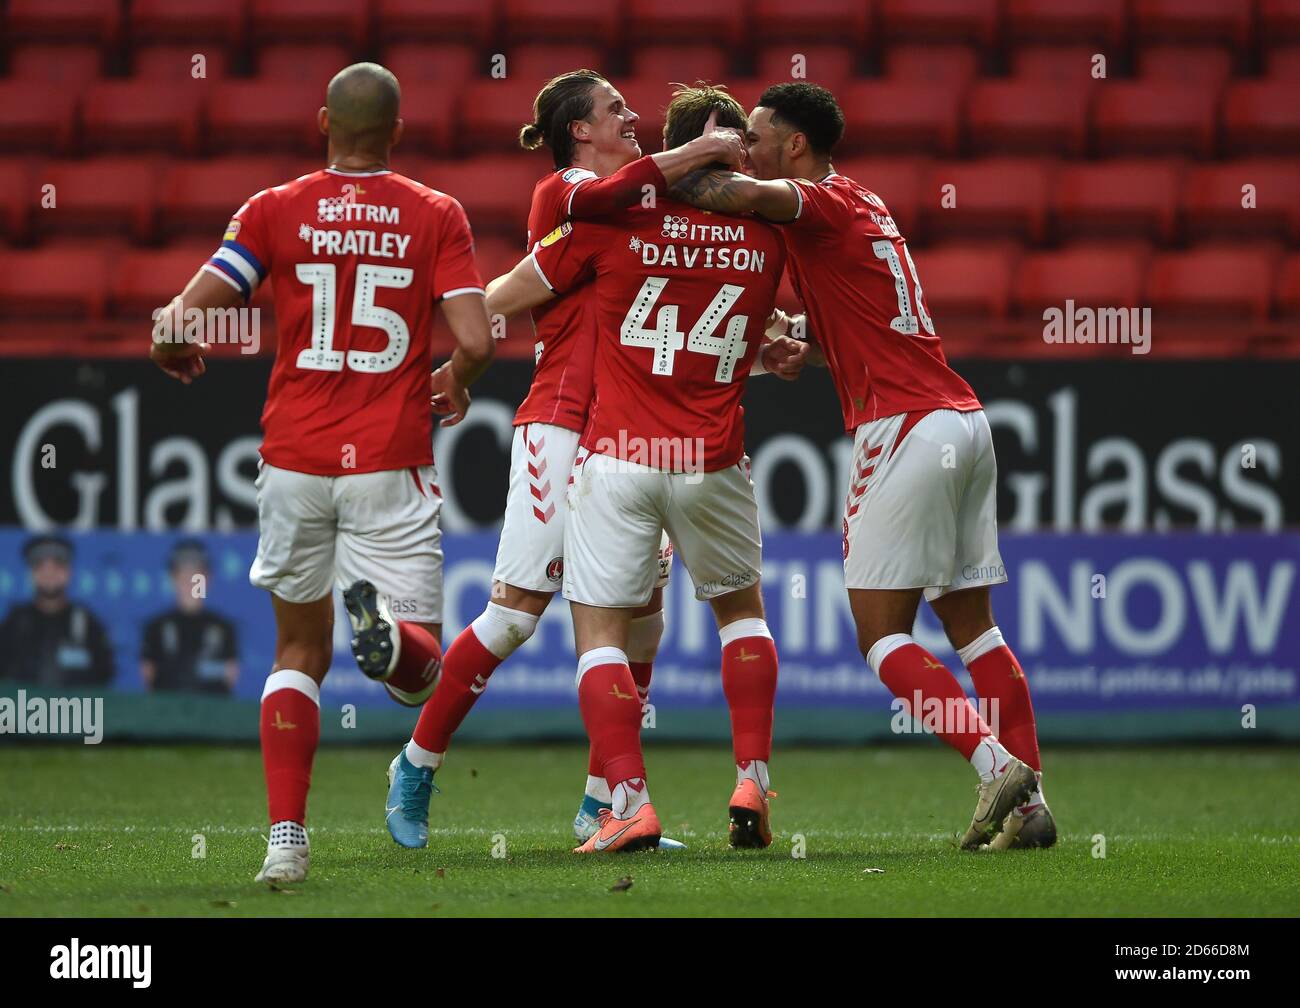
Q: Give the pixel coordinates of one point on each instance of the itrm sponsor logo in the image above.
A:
(24, 715)
(75, 961)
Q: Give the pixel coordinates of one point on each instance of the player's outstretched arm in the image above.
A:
(518, 291)
(169, 349)
(601, 197)
(733, 193)
(467, 316)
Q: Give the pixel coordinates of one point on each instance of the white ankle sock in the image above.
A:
(597, 788)
(422, 757)
(990, 759)
(629, 796)
(288, 833)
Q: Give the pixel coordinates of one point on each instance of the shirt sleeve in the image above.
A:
(566, 258)
(821, 208)
(591, 198)
(454, 270)
(245, 252)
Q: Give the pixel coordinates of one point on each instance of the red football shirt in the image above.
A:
(682, 298)
(565, 344)
(357, 263)
(853, 272)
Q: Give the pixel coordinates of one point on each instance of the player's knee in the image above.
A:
(503, 631)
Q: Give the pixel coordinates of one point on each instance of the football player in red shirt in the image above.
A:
(921, 514)
(663, 449)
(358, 257)
(599, 171)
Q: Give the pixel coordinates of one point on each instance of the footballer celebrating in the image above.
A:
(920, 517)
(664, 451)
(358, 257)
(599, 171)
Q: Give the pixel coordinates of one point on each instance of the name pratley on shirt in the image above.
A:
(362, 242)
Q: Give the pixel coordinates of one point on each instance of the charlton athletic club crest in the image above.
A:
(555, 569)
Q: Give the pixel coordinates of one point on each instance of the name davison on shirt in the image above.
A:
(360, 242)
(708, 257)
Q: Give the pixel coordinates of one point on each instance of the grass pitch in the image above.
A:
(88, 831)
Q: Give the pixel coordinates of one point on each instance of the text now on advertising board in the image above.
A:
(1131, 637)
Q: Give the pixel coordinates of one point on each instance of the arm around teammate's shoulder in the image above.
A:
(731, 192)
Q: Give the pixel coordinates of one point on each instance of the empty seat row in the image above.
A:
(1003, 116)
(735, 22)
(1216, 284)
(1026, 199)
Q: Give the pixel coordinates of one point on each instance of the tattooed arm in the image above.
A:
(733, 193)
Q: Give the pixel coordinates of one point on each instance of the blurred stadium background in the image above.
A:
(1112, 153)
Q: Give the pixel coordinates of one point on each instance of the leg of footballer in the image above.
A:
(290, 730)
(749, 675)
(1000, 682)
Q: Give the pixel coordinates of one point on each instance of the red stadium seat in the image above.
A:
(1117, 198)
(198, 21)
(797, 24)
(539, 63)
(897, 181)
(684, 64)
(998, 196)
(973, 21)
(199, 197)
(97, 21)
(1284, 63)
(492, 111)
(562, 20)
(1195, 66)
(343, 21)
(311, 63)
(900, 117)
(952, 65)
(1261, 117)
(1279, 21)
(1096, 276)
(134, 114)
(1077, 22)
(53, 283)
(255, 115)
(110, 195)
(141, 280)
(1230, 282)
(429, 114)
(65, 66)
(686, 20)
(1214, 21)
(494, 189)
(828, 65)
(19, 196)
(1288, 287)
(1159, 117)
(176, 62)
(450, 63)
(444, 21)
(1057, 66)
(1024, 117)
(965, 281)
(36, 117)
(1212, 198)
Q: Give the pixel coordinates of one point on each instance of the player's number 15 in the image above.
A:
(321, 355)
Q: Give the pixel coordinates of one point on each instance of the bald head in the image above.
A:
(362, 101)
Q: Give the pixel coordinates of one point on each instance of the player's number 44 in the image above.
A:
(321, 355)
(666, 339)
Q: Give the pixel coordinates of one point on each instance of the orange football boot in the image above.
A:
(750, 825)
(639, 831)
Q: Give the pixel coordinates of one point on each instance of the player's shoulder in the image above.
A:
(422, 193)
(557, 183)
